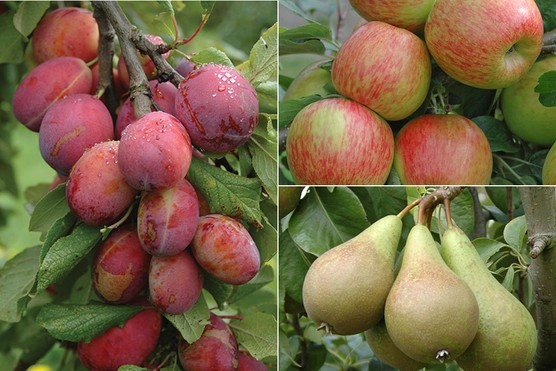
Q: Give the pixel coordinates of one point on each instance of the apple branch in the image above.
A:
(549, 43)
(106, 84)
(138, 83)
(540, 211)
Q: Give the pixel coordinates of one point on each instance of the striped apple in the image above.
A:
(408, 14)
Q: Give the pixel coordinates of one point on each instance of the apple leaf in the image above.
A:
(291, 5)
(547, 89)
(290, 108)
(497, 133)
(311, 30)
(302, 47)
(548, 12)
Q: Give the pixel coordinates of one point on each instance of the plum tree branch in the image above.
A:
(138, 83)
(540, 212)
(106, 84)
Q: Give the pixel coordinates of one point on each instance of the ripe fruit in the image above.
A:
(163, 95)
(487, 44)
(525, 116)
(341, 292)
(310, 81)
(47, 83)
(155, 152)
(249, 363)
(121, 267)
(339, 141)
(129, 345)
(549, 167)
(167, 219)
(442, 149)
(408, 14)
(224, 248)
(216, 349)
(507, 337)
(72, 125)
(66, 32)
(175, 282)
(184, 66)
(385, 68)
(218, 107)
(96, 190)
(431, 314)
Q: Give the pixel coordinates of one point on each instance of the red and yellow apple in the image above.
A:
(488, 44)
(339, 141)
(310, 81)
(442, 150)
(385, 68)
(408, 14)
(525, 116)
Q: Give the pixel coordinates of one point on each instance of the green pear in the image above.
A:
(346, 287)
(507, 337)
(384, 349)
(431, 314)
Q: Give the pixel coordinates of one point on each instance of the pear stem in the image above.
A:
(431, 200)
(448, 212)
(410, 206)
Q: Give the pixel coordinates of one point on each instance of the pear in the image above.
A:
(346, 287)
(431, 314)
(384, 349)
(507, 337)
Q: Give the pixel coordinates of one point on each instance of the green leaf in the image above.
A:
(207, 6)
(292, 5)
(265, 239)
(515, 231)
(211, 55)
(462, 212)
(508, 282)
(227, 193)
(264, 277)
(304, 47)
(497, 133)
(17, 278)
(548, 11)
(74, 322)
(487, 248)
(334, 216)
(381, 201)
(547, 89)
(167, 6)
(65, 253)
(59, 229)
(294, 264)
(263, 59)
(10, 39)
(311, 30)
(262, 145)
(132, 368)
(50, 208)
(257, 334)
(28, 15)
(191, 324)
(290, 108)
(219, 290)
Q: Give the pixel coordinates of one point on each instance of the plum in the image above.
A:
(164, 96)
(249, 363)
(121, 266)
(148, 65)
(121, 88)
(175, 282)
(167, 219)
(47, 83)
(96, 190)
(155, 152)
(218, 107)
(185, 66)
(223, 247)
(129, 345)
(66, 32)
(215, 350)
(71, 126)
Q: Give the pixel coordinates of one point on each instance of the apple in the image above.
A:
(525, 116)
(288, 198)
(487, 44)
(442, 150)
(549, 167)
(408, 14)
(339, 141)
(310, 81)
(385, 68)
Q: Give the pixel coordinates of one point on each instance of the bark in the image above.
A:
(540, 211)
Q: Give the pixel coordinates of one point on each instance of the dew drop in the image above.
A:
(221, 88)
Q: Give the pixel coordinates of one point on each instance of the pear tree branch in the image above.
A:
(540, 211)
(432, 200)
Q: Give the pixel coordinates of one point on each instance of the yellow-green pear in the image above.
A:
(346, 287)
(431, 314)
(384, 349)
(507, 337)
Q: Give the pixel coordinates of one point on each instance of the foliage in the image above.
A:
(324, 214)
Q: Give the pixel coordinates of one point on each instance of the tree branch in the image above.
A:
(540, 211)
(430, 201)
(479, 223)
(106, 85)
(140, 91)
(549, 43)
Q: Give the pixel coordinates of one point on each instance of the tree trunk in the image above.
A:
(540, 211)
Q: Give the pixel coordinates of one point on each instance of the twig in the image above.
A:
(430, 201)
(549, 43)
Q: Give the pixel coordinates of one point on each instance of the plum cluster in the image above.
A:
(138, 166)
(383, 74)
